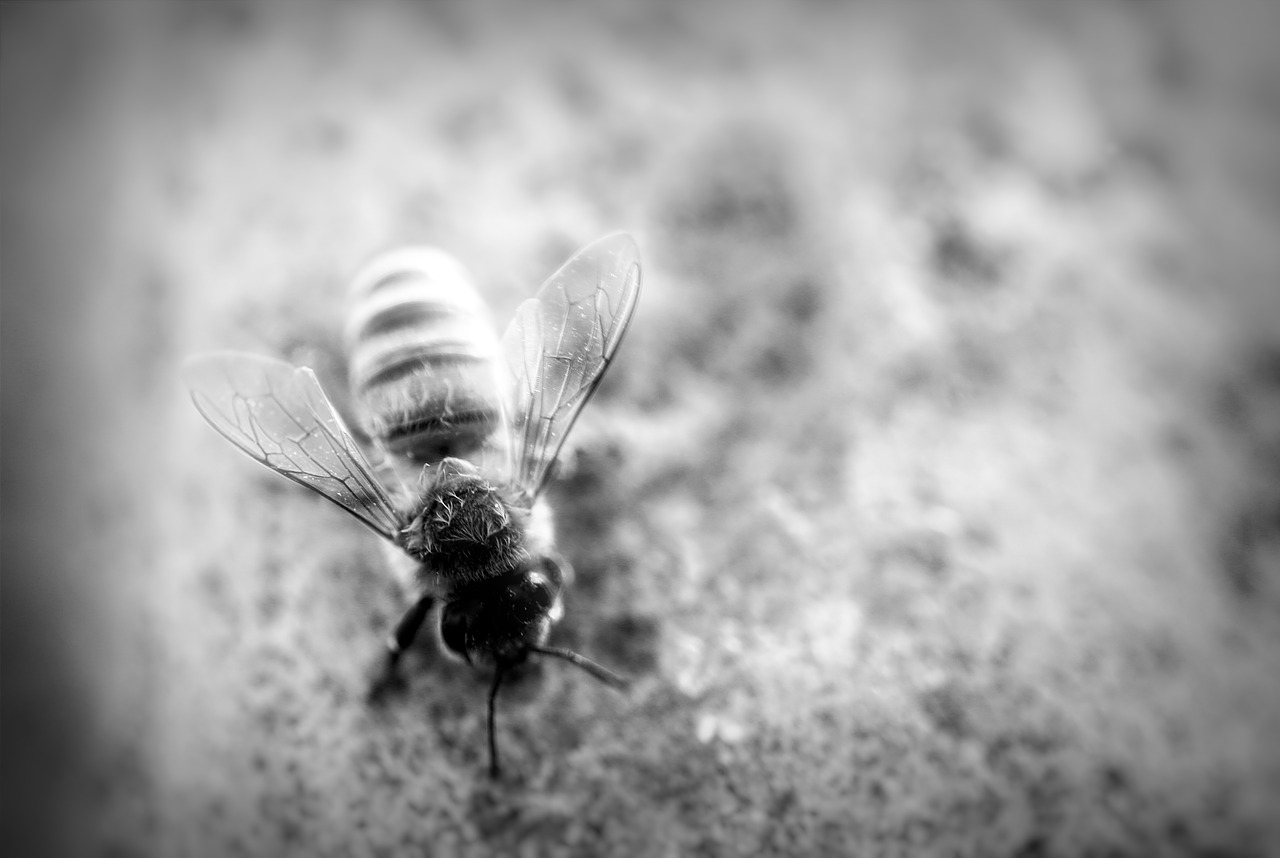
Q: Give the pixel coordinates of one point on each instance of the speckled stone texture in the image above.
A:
(933, 501)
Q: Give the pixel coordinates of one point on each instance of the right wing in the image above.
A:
(279, 416)
(559, 346)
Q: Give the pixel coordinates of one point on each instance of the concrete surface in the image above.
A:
(933, 502)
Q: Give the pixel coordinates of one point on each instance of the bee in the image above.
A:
(475, 423)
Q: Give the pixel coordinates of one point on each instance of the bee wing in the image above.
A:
(559, 345)
(384, 470)
(279, 415)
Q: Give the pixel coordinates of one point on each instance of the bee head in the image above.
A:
(497, 623)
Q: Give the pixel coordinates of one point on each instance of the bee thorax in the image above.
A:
(467, 530)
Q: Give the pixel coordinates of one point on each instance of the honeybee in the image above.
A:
(465, 440)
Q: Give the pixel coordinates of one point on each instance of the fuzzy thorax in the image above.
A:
(468, 530)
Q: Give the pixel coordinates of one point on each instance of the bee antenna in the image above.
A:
(600, 672)
(494, 771)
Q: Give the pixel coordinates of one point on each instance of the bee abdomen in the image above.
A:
(423, 358)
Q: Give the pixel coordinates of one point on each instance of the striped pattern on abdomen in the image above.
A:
(423, 358)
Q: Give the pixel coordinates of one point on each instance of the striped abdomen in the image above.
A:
(423, 357)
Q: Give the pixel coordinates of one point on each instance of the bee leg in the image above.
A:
(495, 771)
(388, 677)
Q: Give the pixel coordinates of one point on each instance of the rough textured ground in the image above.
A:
(934, 500)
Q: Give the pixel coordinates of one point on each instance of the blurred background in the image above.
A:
(933, 500)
